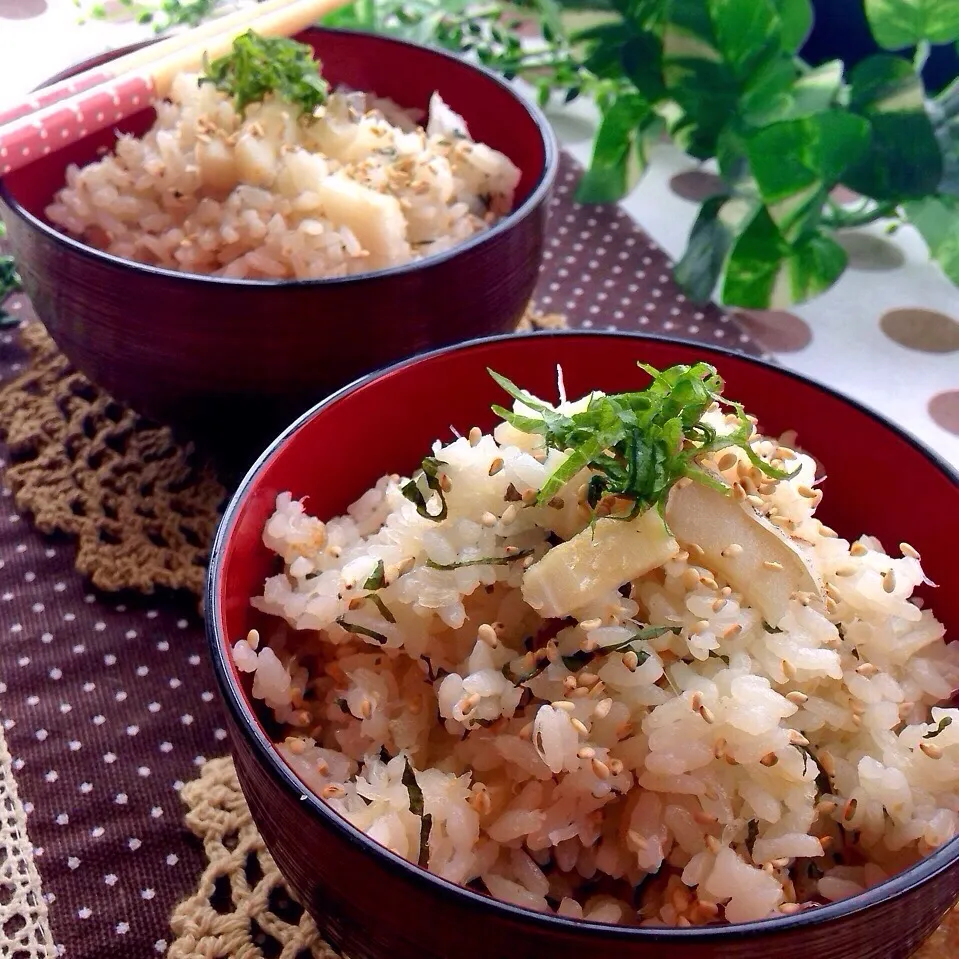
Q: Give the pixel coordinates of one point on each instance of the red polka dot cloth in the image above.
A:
(109, 704)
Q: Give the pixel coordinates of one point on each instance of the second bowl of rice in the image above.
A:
(625, 670)
(207, 252)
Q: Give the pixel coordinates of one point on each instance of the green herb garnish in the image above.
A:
(259, 66)
(416, 807)
(483, 561)
(376, 579)
(580, 658)
(944, 723)
(428, 474)
(9, 280)
(361, 631)
(638, 444)
(823, 784)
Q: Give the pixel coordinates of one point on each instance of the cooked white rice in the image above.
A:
(736, 769)
(360, 187)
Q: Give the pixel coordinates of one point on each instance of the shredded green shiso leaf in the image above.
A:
(259, 66)
(638, 444)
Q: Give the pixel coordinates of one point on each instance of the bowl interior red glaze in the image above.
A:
(878, 481)
(403, 72)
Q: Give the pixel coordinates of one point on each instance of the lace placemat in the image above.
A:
(24, 928)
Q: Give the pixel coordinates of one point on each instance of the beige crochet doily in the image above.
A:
(24, 930)
(142, 508)
(241, 907)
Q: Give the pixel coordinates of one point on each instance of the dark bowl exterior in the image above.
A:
(374, 905)
(187, 349)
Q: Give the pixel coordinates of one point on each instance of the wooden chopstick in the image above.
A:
(107, 99)
(139, 58)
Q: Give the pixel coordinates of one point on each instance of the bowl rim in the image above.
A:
(537, 195)
(919, 874)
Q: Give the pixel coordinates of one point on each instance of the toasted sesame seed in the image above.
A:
(867, 669)
(509, 514)
(770, 759)
(713, 844)
(564, 705)
(556, 502)
(630, 660)
(827, 842)
(739, 493)
(615, 767)
(600, 769)
(709, 582)
(587, 679)
(529, 496)
(931, 750)
(790, 908)
(446, 484)
(579, 726)
(487, 634)
(496, 466)
(824, 807)
(772, 564)
(849, 810)
(475, 435)
(909, 551)
(526, 732)
(707, 714)
(732, 631)
(788, 669)
(719, 749)
(602, 708)
(889, 581)
(806, 492)
(727, 461)
(847, 570)
(253, 639)
(332, 791)
(511, 550)
(590, 624)
(797, 738)
(857, 549)
(322, 767)
(696, 548)
(733, 549)
(296, 746)
(828, 531)
(797, 698)
(827, 763)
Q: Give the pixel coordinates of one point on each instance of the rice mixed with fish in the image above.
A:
(606, 663)
(267, 190)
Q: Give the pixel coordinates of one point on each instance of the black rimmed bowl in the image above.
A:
(204, 352)
(375, 905)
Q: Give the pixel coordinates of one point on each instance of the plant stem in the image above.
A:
(839, 219)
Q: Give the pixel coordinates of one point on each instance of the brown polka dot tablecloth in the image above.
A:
(108, 702)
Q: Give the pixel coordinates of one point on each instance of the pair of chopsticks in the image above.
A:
(71, 109)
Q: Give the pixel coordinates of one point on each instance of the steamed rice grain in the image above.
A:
(267, 195)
